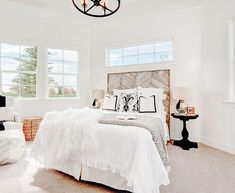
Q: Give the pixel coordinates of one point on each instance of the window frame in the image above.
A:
(19, 72)
(123, 46)
(62, 74)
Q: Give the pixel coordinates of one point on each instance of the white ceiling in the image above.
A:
(64, 11)
(59, 5)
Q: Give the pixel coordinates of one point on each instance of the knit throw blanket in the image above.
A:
(152, 124)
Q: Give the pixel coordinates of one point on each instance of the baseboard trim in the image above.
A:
(218, 145)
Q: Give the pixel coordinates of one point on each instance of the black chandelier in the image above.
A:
(97, 8)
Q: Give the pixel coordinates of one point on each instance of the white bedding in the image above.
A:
(127, 151)
(161, 116)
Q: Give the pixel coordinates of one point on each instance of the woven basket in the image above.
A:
(30, 127)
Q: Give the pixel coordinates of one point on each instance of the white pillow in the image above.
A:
(125, 91)
(6, 114)
(110, 102)
(150, 91)
(159, 96)
(147, 104)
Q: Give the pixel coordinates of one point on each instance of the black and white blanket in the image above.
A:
(152, 124)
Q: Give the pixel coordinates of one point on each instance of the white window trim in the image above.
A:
(122, 46)
(18, 71)
(47, 74)
(42, 72)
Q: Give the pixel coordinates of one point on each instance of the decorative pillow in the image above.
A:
(150, 91)
(147, 104)
(128, 103)
(159, 96)
(110, 102)
(6, 114)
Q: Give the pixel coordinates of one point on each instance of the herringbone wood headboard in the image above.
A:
(155, 79)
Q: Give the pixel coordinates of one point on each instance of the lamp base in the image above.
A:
(94, 103)
(181, 107)
(178, 106)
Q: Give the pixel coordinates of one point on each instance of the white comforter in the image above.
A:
(70, 139)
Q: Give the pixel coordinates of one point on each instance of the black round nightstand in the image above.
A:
(185, 143)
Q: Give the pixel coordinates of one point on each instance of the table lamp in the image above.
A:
(180, 94)
(97, 94)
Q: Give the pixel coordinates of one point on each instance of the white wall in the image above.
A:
(45, 33)
(200, 36)
(218, 123)
(183, 26)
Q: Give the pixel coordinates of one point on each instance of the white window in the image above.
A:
(62, 73)
(141, 54)
(18, 66)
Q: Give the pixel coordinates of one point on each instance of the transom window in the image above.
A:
(141, 54)
(62, 73)
(18, 66)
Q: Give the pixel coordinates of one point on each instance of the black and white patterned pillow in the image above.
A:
(128, 103)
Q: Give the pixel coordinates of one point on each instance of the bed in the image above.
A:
(91, 146)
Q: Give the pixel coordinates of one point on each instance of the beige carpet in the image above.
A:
(203, 170)
(53, 181)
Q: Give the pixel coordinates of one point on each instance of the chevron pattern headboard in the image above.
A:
(155, 79)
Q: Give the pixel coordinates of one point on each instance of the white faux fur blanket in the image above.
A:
(67, 133)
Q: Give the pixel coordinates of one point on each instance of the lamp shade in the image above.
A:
(181, 92)
(97, 93)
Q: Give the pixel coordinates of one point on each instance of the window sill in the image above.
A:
(62, 98)
(47, 99)
(161, 65)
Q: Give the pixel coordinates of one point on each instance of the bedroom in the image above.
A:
(201, 38)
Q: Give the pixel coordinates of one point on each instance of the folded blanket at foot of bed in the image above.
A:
(152, 124)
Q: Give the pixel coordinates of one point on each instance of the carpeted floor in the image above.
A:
(203, 170)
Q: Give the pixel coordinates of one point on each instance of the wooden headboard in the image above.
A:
(155, 79)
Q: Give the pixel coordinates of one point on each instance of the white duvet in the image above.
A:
(68, 140)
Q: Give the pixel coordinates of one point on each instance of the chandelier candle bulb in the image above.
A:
(105, 3)
(84, 2)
